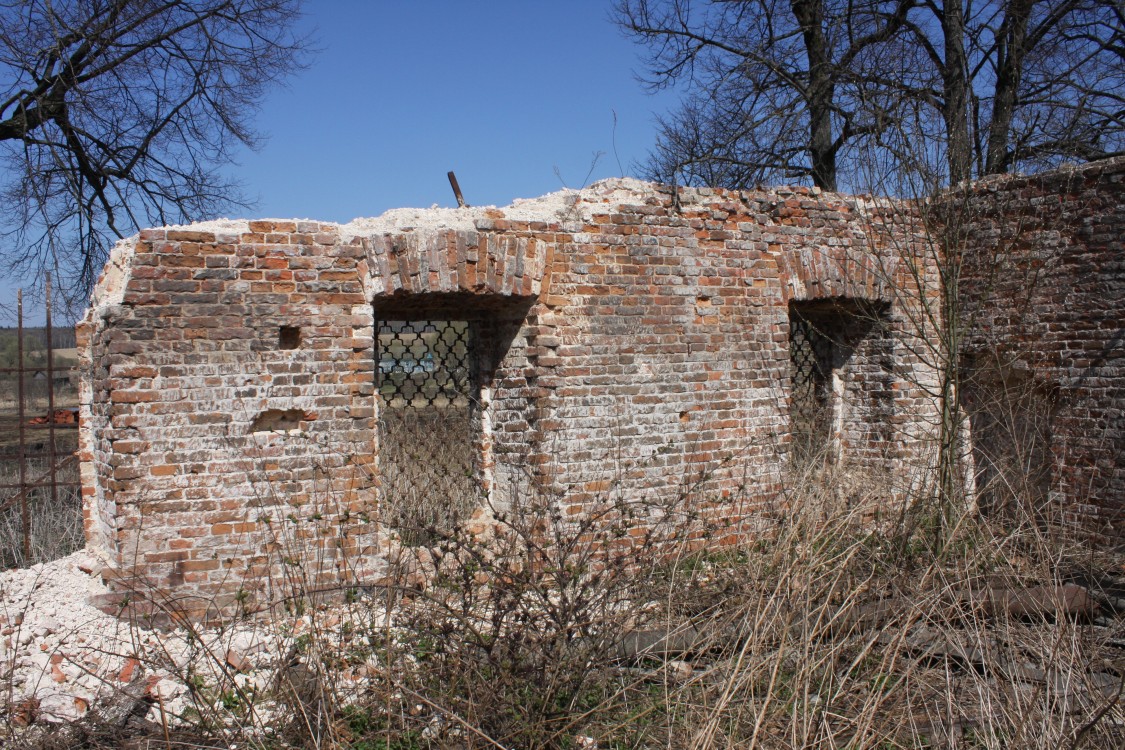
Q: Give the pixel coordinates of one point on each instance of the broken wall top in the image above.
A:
(430, 251)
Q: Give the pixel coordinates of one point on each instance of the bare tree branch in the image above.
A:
(119, 113)
(818, 90)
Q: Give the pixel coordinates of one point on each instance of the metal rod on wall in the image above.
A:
(25, 521)
(51, 399)
(456, 190)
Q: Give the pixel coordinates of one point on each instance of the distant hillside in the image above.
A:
(35, 346)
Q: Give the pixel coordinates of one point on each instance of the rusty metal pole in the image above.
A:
(25, 521)
(456, 190)
(51, 402)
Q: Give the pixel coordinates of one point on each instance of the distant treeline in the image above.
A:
(35, 337)
(34, 345)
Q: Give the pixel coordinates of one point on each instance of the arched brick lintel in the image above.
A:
(454, 262)
(833, 272)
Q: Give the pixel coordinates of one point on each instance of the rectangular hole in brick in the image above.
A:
(811, 358)
(289, 337)
(1011, 414)
(279, 420)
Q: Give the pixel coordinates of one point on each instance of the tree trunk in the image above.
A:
(955, 84)
(819, 94)
(1010, 53)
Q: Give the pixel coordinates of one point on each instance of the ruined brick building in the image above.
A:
(1043, 295)
(242, 378)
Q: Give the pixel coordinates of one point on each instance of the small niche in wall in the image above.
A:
(279, 420)
(289, 337)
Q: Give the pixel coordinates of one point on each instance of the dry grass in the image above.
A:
(837, 626)
(830, 633)
(55, 528)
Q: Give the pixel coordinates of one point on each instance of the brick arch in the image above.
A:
(815, 273)
(454, 262)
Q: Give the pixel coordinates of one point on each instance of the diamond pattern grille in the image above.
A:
(427, 445)
(810, 355)
(424, 363)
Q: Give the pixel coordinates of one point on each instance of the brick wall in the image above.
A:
(1044, 300)
(631, 341)
(208, 447)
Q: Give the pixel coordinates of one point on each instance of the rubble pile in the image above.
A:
(61, 658)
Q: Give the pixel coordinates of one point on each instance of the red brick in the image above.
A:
(656, 349)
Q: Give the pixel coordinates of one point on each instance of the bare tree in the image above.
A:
(1020, 83)
(816, 89)
(115, 114)
(777, 88)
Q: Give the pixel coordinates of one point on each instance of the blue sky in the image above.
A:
(517, 97)
(503, 93)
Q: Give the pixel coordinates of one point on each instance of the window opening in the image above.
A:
(810, 411)
(842, 365)
(429, 426)
(1010, 416)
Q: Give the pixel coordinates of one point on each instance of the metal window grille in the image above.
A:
(810, 355)
(424, 363)
(427, 442)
